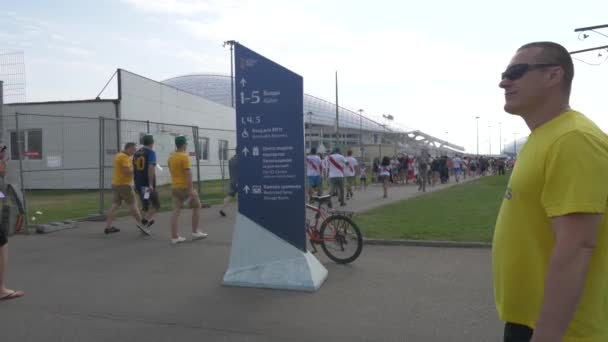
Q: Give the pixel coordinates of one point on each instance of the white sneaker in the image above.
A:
(198, 236)
(178, 240)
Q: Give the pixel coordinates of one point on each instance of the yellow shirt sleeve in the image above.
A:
(575, 172)
(185, 162)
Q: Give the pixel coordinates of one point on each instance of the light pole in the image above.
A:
(515, 144)
(490, 140)
(500, 135)
(477, 118)
(309, 130)
(361, 129)
(388, 118)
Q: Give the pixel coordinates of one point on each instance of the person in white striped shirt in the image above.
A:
(314, 170)
(349, 173)
(336, 165)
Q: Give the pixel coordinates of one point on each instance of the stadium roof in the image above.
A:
(216, 88)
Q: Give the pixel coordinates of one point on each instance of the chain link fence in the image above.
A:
(64, 164)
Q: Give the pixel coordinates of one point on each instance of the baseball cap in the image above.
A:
(180, 141)
(147, 139)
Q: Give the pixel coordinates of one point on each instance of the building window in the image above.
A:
(223, 150)
(203, 148)
(31, 144)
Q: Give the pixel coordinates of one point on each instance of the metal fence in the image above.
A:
(65, 163)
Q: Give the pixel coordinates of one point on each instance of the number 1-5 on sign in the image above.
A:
(253, 99)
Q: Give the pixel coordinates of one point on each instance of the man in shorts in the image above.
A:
(122, 186)
(233, 168)
(144, 176)
(337, 164)
(349, 173)
(314, 169)
(457, 167)
(182, 191)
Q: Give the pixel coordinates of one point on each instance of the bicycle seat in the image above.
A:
(322, 199)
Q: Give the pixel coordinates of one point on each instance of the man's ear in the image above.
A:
(554, 76)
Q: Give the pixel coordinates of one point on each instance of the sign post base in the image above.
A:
(261, 259)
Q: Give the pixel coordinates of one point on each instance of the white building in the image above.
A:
(63, 146)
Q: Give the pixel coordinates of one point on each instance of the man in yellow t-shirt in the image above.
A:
(182, 191)
(122, 187)
(550, 249)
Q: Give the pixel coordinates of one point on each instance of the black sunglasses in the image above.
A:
(517, 71)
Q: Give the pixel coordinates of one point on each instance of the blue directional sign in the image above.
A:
(270, 144)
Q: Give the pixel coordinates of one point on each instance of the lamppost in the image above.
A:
(515, 144)
(361, 129)
(500, 135)
(388, 117)
(477, 118)
(309, 130)
(490, 140)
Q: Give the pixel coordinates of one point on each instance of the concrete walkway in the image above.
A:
(82, 285)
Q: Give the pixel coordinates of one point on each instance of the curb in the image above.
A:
(428, 243)
(55, 226)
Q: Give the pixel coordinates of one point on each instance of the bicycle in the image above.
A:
(339, 236)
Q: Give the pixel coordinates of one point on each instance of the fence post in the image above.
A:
(101, 165)
(21, 181)
(198, 164)
(148, 126)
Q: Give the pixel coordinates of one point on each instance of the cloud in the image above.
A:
(78, 51)
(423, 81)
(180, 7)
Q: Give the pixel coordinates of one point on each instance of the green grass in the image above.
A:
(462, 213)
(57, 205)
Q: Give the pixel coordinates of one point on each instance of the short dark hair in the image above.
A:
(555, 53)
(313, 150)
(349, 153)
(129, 145)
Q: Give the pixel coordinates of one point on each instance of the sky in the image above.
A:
(433, 65)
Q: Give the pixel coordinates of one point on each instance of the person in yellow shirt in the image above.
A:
(182, 191)
(550, 248)
(122, 187)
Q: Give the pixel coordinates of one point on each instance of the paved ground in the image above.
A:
(84, 286)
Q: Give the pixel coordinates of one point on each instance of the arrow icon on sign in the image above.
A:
(245, 151)
(243, 82)
(246, 189)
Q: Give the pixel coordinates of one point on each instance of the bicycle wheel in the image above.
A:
(341, 239)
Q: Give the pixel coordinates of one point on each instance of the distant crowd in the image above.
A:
(345, 173)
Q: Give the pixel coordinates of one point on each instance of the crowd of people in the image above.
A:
(342, 173)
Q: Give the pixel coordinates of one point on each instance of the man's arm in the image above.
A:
(151, 174)
(575, 237)
(188, 174)
(127, 171)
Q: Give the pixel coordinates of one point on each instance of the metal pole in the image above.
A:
(1, 112)
(500, 138)
(360, 128)
(198, 163)
(102, 175)
(477, 118)
(490, 140)
(337, 113)
(20, 151)
(514, 144)
(148, 126)
(232, 75)
(100, 165)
